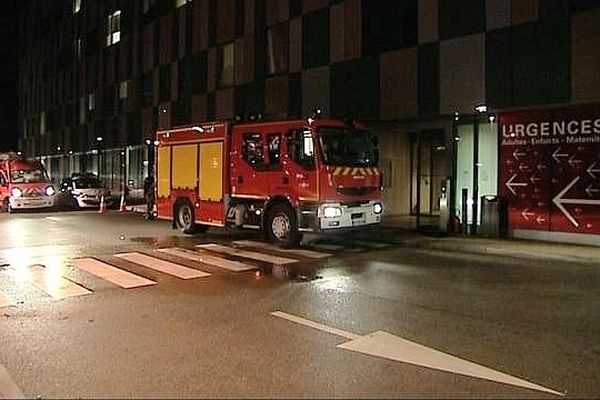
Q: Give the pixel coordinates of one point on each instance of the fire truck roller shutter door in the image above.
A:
(185, 158)
(211, 171)
(164, 167)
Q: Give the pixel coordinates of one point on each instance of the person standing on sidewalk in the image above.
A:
(149, 197)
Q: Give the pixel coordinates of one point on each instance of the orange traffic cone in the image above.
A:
(122, 205)
(102, 207)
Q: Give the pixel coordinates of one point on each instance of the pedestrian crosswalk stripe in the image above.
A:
(105, 271)
(267, 246)
(5, 301)
(247, 254)
(166, 267)
(52, 283)
(207, 259)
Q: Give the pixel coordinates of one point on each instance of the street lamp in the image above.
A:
(99, 146)
(477, 112)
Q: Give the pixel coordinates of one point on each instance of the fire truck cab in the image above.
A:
(281, 177)
(24, 185)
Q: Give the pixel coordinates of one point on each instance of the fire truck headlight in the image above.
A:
(49, 191)
(377, 208)
(16, 192)
(332, 212)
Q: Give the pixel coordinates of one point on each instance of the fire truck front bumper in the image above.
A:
(31, 203)
(340, 216)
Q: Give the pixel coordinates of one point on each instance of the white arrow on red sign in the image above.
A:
(517, 154)
(559, 201)
(511, 185)
(591, 170)
(540, 220)
(573, 161)
(534, 179)
(590, 190)
(526, 214)
(557, 154)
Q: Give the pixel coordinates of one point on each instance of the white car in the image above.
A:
(87, 190)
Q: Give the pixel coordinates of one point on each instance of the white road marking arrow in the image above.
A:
(541, 167)
(590, 190)
(540, 220)
(526, 214)
(517, 154)
(385, 345)
(510, 184)
(534, 179)
(556, 154)
(523, 167)
(559, 201)
(591, 170)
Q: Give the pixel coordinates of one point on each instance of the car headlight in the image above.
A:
(16, 192)
(49, 191)
(377, 208)
(332, 212)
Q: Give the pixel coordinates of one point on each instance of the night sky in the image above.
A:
(8, 75)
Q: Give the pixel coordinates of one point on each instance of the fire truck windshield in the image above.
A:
(345, 146)
(28, 176)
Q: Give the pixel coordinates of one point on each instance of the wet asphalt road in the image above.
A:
(215, 336)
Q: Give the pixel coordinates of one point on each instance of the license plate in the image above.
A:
(359, 221)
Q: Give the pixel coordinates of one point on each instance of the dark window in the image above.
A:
(583, 5)
(315, 38)
(461, 17)
(185, 76)
(240, 17)
(252, 150)
(429, 79)
(355, 88)
(296, 8)
(165, 83)
(541, 62)
(147, 89)
(300, 148)
(388, 24)
(198, 72)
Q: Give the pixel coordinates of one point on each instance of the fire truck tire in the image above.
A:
(4, 207)
(282, 227)
(184, 217)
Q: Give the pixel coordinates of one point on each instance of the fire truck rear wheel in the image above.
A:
(282, 226)
(184, 217)
(5, 206)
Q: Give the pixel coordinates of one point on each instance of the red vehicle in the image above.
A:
(282, 177)
(24, 185)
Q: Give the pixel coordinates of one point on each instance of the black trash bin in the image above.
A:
(493, 217)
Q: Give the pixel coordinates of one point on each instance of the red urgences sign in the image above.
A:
(550, 168)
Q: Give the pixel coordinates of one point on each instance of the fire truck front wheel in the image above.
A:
(282, 227)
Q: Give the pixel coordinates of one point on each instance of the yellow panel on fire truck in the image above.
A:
(164, 171)
(184, 160)
(211, 171)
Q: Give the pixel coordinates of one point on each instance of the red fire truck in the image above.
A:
(281, 177)
(24, 184)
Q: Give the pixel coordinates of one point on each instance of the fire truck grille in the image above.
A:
(32, 193)
(356, 191)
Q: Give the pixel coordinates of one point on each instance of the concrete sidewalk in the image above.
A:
(401, 231)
